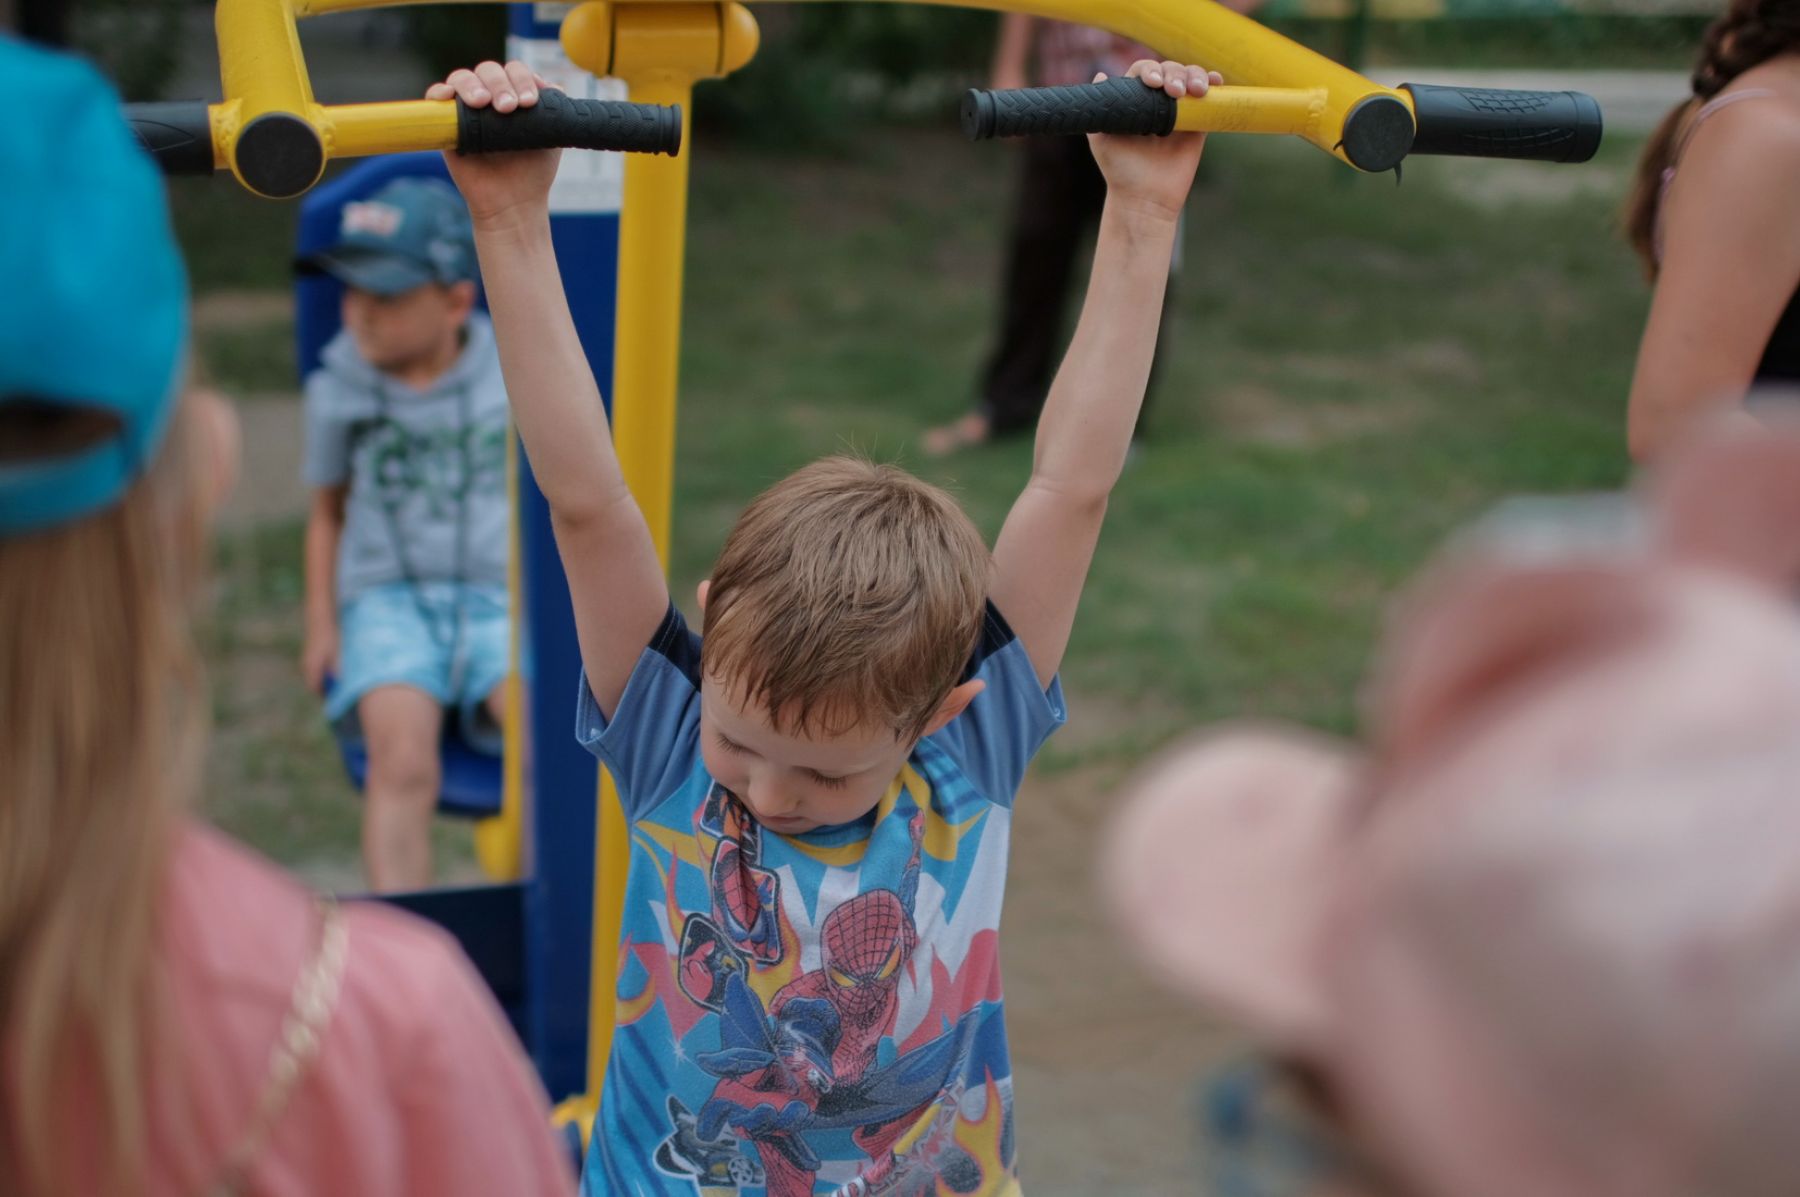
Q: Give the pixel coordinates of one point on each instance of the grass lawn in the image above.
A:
(1353, 368)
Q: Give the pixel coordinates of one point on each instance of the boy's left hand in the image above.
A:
(1155, 172)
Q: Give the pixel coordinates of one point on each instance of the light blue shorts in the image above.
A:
(448, 639)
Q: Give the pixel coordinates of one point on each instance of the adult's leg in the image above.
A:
(401, 726)
(1060, 193)
(1048, 213)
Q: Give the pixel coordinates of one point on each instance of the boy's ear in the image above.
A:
(954, 704)
(700, 593)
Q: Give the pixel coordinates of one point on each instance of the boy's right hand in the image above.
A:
(1155, 172)
(499, 188)
(319, 658)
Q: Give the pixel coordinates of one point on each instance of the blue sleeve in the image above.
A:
(326, 460)
(653, 739)
(1003, 728)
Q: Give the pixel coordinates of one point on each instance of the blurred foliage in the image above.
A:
(136, 42)
(826, 70)
(447, 36)
(1571, 41)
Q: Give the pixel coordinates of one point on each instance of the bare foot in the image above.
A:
(963, 433)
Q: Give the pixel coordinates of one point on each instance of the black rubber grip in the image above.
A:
(1482, 122)
(178, 135)
(1119, 105)
(557, 120)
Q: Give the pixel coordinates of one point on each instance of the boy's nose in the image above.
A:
(768, 799)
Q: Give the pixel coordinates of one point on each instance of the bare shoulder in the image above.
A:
(1759, 134)
(1739, 176)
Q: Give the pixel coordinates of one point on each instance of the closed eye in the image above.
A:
(731, 746)
(830, 783)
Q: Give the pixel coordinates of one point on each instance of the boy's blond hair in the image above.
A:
(848, 594)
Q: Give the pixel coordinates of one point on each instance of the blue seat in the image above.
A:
(472, 779)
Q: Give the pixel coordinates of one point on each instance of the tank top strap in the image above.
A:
(1707, 110)
(1701, 115)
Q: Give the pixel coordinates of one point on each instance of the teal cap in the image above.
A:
(411, 232)
(94, 312)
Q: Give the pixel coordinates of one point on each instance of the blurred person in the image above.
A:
(1058, 202)
(177, 1016)
(1712, 216)
(1543, 936)
(406, 538)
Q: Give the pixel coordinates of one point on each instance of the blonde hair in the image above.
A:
(102, 734)
(848, 594)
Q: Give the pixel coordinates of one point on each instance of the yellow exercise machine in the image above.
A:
(276, 138)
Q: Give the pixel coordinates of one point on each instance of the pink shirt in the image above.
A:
(419, 1087)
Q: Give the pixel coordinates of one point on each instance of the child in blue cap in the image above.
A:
(177, 1016)
(406, 542)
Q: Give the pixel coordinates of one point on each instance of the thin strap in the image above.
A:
(302, 1034)
(1706, 110)
(1699, 118)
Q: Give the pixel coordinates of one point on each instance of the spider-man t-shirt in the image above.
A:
(815, 1013)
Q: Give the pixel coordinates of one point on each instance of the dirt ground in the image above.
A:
(1106, 1062)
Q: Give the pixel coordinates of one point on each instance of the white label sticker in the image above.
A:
(588, 181)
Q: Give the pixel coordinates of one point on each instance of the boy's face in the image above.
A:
(417, 327)
(794, 783)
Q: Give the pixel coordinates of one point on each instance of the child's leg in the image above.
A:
(401, 726)
(485, 662)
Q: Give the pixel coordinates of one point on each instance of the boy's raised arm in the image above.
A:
(615, 579)
(1041, 558)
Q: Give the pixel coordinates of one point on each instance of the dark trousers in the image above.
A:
(1061, 192)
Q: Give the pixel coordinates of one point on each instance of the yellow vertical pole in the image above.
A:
(498, 840)
(660, 51)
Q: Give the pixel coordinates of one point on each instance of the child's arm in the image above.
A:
(324, 529)
(1041, 558)
(615, 579)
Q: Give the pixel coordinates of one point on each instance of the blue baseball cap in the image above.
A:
(94, 315)
(411, 232)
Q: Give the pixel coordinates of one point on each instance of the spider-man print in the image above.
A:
(823, 1030)
(776, 1082)
(746, 896)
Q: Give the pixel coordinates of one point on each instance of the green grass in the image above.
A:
(1352, 370)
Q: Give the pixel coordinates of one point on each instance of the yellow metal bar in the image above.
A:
(358, 130)
(263, 71)
(660, 51)
(647, 347)
(499, 840)
(1228, 109)
(259, 57)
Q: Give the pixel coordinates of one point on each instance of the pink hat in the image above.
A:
(1544, 939)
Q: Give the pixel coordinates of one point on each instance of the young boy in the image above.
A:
(820, 791)
(406, 542)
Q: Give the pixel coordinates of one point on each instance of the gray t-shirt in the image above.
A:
(427, 469)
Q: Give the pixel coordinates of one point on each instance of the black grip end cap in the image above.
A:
(977, 114)
(279, 156)
(1590, 127)
(1378, 133)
